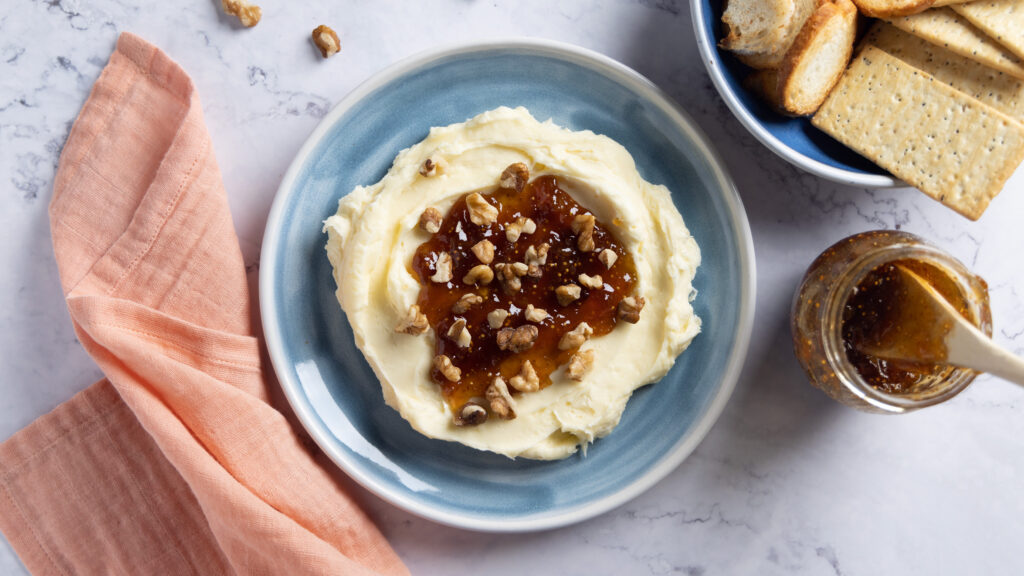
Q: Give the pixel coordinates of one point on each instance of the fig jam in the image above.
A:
(553, 210)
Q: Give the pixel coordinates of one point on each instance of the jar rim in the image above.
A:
(831, 324)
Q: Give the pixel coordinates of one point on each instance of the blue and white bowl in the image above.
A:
(336, 395)
(793, 139)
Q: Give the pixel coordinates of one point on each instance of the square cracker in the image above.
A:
(1000, 91)
(946, 28)
(940, 140)
(1003, 20)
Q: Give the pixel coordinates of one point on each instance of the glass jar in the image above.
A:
(821, 301)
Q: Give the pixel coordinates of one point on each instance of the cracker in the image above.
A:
(949, 145)
(946, 28)
(1003, 20)
(1000, 91)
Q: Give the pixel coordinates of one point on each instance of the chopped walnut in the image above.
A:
(498, 396)
(509, 275)
(535, 257)
(591, 282)
(484, 251)
(495, 318)
(607, 257)
(567, 294)
(444, 365)
(432, 166)
(442, 269)
(521, 226)
(580, 363)
(248, 14)
(430, 220)
(414, 322)
(584, 226)
(629, 309)
(326, 40)
(459, 334)
(519, 339)
(535, 314)
(466, 302)
(576, 337)
(481, 212)
(527, 379)
(471, 414)
(515, 177)
(480, 274)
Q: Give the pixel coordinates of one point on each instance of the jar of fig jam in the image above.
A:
(846, 290)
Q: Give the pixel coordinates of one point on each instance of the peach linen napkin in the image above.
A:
(175, 463)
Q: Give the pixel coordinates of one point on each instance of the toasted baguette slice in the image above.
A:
(892, 8)
(814, 63)
(774, 56)
(952, 147)
(757, 26)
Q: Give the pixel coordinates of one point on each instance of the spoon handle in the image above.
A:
(967, 346)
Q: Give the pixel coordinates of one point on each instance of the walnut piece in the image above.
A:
(466, 302)
(576, 337)
(535, 314)
(480, 274)
(583, 225)
(442, 269)
(414, 322)
(459, 334)
(498, 396)
(515, 177)
(326, 40)
(430, 220)
(629, 308)
(535, 257)
(527, 379)
(481, 212)
(591, 282)
(567, 294)
(509, 275)
(521, 226)
(444, 365)
(580, 363)
(495, 318)
(248, 14)
(607, 257)
(484, 251)
(471, 414)
(517, 340)
(432, 166)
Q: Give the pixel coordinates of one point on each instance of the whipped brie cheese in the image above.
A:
(374, 234)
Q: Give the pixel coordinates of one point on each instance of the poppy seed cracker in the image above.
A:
(1000, 91)
(1003, 20)
(949, 145)
(946, 28)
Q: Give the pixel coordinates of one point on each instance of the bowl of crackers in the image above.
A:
(877, 93)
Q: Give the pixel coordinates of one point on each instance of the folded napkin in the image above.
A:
(175, 463)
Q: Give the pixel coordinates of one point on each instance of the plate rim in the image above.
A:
(712, 62)
(742, 332)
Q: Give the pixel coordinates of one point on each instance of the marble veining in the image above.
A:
(786, 483)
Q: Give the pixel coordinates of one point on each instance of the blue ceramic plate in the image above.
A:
(793, 139)
(335, 393)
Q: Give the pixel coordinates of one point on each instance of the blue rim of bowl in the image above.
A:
(671, 460)
(709, 54)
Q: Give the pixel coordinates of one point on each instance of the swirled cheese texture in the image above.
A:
(372, 238)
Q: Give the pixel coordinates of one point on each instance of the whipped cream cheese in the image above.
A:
(374, 234)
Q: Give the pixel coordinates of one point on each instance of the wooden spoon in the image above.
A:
(926, 329)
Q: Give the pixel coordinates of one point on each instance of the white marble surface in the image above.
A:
(786, 482)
